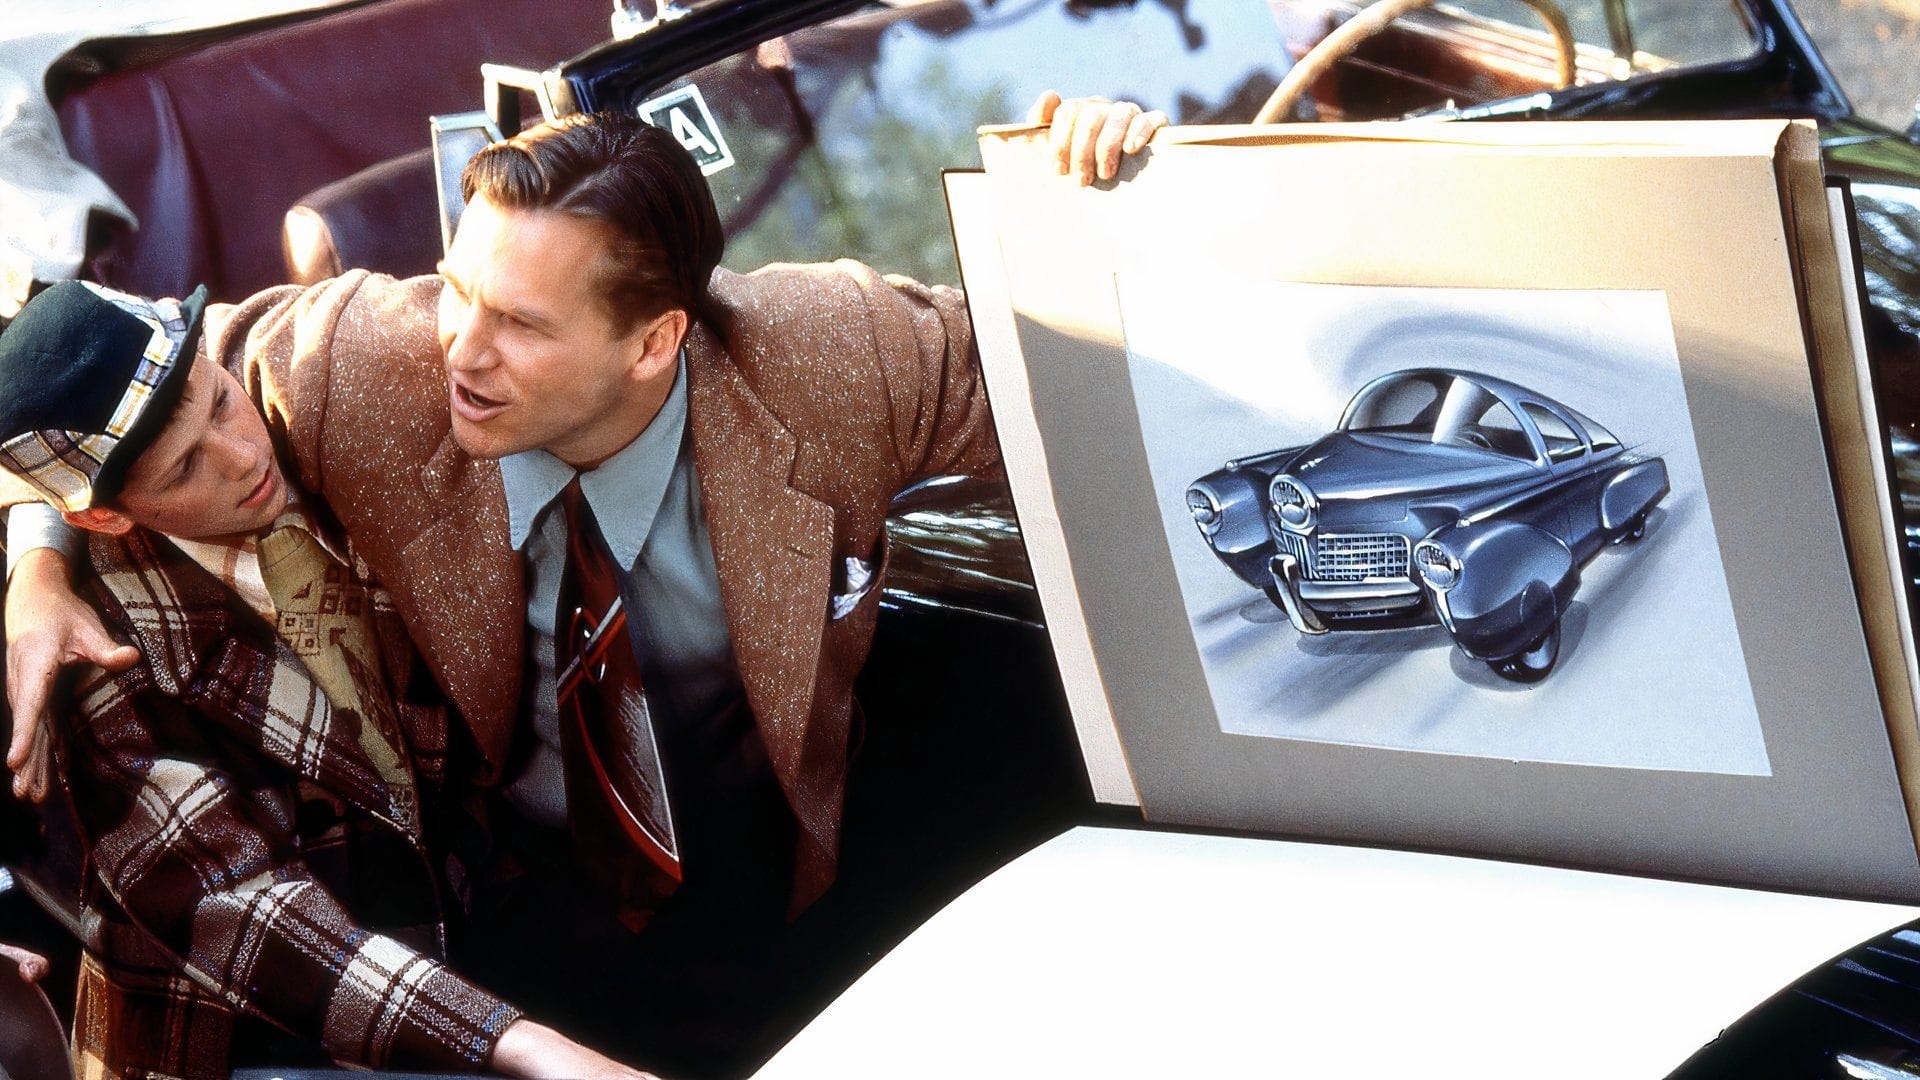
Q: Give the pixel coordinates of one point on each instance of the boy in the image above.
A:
(251, 791)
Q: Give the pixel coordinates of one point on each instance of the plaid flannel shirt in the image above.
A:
(246, 858)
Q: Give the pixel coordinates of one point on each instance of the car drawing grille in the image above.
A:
(1356, 556)
(1295, 546)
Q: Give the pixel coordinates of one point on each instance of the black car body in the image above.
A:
(1443, 495)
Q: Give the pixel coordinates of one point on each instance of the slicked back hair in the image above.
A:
(629, 176)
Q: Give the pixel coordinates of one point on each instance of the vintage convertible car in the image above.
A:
(1443, 494)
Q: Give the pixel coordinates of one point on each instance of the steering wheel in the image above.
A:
(1350, 34)
(1475, 437)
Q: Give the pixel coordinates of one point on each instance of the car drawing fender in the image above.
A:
(1498, 586)
(1229, 507)
(1631, 494)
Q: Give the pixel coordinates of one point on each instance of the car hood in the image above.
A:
(1371, 478)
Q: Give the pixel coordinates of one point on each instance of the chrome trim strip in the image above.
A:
(1364, 589)
(1286, 582)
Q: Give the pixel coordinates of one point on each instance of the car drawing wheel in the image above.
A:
(1532, 663)
(1635, 529)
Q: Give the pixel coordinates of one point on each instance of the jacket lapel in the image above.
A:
(203, 648)
(462, 592)
(772, 548)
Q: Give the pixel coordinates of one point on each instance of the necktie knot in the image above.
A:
(595, 576)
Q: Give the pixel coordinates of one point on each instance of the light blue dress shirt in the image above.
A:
(646, 499)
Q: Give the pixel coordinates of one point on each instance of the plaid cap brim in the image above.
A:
(75, 470)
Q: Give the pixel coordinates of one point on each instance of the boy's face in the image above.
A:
(211, 471)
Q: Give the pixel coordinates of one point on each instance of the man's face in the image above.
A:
(211, 471)
(533, 360)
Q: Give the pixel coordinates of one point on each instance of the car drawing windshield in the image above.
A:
(1438, 408)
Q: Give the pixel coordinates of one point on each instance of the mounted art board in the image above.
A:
(1535, 362)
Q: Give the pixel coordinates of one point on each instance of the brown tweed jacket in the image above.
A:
(247, 860)
(816, 393)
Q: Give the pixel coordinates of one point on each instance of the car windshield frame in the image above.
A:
(1449, 419)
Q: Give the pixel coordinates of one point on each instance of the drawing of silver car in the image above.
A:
(1443, 495)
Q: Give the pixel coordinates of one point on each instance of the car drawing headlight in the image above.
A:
(1205, 510)
(1292, 503)
(1438, 567)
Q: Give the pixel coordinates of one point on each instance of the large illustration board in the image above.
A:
(1765, 758)
(1234, 369)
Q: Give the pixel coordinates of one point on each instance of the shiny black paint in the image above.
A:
(621, 74)
(1855, 1018)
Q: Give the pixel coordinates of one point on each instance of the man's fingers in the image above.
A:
(1141, 128)
(31, 964)
(36, 778)
(1061, 134)
(1112, 138)
(30, 770)
(117, 658)
(92, 645)
(18, 745)
(1043, 107)
(27, 696)
(1087, 122)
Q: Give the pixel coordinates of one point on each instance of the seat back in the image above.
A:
(381, 218)
(211, 145)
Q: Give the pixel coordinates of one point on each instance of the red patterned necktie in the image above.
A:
(617, 805)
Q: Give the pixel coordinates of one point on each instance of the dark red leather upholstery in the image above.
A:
(383, 218)
(210, 147)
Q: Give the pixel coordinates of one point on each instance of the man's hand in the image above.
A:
(32, 965)
(1090, 135)
(48, 628)
(528, 1049)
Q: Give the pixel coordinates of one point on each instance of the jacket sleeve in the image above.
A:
(203, 858)
(924, 345)
(365, 345)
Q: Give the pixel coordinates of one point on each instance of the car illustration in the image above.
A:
(1444, 495)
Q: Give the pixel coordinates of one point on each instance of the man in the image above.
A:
(718, 452)
(253, 793)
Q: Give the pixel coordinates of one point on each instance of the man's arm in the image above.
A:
(924, 336)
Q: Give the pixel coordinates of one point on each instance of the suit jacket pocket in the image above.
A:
(853, 611)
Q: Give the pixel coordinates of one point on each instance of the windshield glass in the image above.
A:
(838, 131)
(1434, 407)
(1653, 34)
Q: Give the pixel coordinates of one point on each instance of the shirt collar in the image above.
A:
(235, 562)
(625, 491)
(294, 515)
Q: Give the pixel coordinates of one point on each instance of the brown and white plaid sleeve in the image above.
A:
(201, 853)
